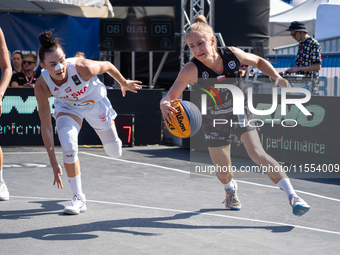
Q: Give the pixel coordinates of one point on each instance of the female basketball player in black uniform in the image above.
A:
(209, 66)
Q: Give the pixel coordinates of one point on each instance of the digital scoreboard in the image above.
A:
(139, 29)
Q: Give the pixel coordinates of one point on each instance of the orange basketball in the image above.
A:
(187, 120)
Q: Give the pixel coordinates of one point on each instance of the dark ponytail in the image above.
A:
(48, 44)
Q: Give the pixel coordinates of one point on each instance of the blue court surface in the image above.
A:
(147, 202)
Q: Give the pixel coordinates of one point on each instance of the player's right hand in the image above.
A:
(58, 172)
(167, 109)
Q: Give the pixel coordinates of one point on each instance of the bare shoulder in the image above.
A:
(189, 70)
(237, 51)
(87, 68)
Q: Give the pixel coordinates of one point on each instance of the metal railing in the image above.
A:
(329, 45)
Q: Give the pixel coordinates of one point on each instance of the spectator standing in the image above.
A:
(308, 58)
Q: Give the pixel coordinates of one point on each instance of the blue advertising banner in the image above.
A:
(22, 31)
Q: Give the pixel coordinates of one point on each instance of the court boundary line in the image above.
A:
(188, 172)
(194, 213)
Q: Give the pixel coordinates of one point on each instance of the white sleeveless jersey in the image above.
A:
(76, 91)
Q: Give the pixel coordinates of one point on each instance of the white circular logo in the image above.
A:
(232, 64)
(205, 75)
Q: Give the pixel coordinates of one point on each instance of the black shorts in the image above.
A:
(220, 135)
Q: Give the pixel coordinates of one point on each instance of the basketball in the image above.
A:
(187, 120)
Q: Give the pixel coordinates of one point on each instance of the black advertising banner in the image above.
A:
(291, 138)
(20, 123)
(296, 138)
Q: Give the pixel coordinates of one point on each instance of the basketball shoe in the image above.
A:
(231, 200)
(300, 207)
(4, 194)
(77, 205)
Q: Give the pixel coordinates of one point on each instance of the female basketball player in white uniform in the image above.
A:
(6, 73)
(78, 94)
(216, 62)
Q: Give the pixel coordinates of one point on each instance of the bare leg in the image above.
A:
(72, 170)
(220, 156)
(256, 152)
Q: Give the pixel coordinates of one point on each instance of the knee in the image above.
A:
(68, 130)
(70, 157)
(113, 149)
(111, 142)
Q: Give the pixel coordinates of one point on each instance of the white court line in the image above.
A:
(137, 163)
(187, 172)
(27, 152)
(196, 213)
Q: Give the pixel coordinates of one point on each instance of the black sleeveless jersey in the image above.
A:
(219, 101)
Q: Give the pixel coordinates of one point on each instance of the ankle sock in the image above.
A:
(285, 185)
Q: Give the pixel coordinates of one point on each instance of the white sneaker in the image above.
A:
(77, 205)
(231, 199)
(4, 194)
(300, 207)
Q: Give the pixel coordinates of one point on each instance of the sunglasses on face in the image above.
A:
(27, 62)
(293, 35)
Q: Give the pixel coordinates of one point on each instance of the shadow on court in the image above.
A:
(83, 231)
(147, 202)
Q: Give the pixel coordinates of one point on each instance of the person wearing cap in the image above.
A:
(308, 58)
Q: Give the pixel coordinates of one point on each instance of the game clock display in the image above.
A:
(146, 31)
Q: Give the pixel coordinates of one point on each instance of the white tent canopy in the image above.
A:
(79, 8)
(278, 6)
(327, 26)
(305, 12)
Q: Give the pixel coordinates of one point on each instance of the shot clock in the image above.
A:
(139, 29)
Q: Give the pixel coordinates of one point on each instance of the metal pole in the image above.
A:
(150, 69)
(212, 14)
(159, 69)
(133, 57)
(117, 65)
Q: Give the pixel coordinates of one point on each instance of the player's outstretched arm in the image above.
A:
(42, 93)
(260, 63)
(185, 76)
(90, 68)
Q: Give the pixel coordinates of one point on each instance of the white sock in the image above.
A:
(1, 178)
(230, 186)
(75, 183)
(287, 187)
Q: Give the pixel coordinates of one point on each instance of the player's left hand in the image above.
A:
(283, 82)
(292, 70)
(130, 86)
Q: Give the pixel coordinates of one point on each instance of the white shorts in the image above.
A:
(99, 114)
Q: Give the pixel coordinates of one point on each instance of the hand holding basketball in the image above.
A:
(167, 109)
(186, 121)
